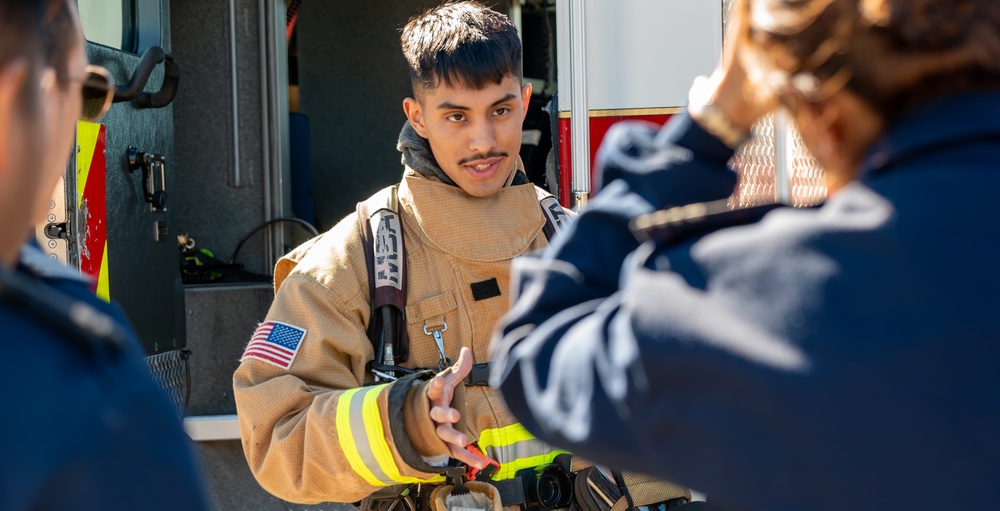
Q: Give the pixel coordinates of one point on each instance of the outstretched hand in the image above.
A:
(441, 390)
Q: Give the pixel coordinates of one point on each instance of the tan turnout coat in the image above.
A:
(309, 437)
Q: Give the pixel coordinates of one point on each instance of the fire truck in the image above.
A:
(242, 127)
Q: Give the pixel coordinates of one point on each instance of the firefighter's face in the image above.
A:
(475, 135)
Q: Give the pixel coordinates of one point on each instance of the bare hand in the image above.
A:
(732, 89)
(440, 391)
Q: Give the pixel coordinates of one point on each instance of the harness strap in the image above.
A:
(385, 255)
(511, 491)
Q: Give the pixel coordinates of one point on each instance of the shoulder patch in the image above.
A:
(275, 343)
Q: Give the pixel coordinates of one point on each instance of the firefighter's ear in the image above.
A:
(526, 96)
(12, 77)
(415, 114)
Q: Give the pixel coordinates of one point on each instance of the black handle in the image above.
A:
(163, 97)
(133, 89)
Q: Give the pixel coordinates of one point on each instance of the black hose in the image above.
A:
(305, 225)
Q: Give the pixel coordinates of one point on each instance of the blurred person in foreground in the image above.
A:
(85, 428)
(838, 357)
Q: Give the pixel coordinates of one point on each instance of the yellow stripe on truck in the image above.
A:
(103, 289)
(86, 142)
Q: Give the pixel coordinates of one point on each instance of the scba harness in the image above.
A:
(556, 485)
(381, 231)
(385, 254)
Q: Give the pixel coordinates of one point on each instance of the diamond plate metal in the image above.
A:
(170, 372)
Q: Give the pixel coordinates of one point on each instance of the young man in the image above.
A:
(85, 427)
(314, 427)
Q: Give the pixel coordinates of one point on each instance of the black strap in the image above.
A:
(479, 376)
(387, 318)
(511, 491)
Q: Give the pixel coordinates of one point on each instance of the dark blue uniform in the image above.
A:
(834, 358)
(84, 427)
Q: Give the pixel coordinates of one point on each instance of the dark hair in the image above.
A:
(41, 30)
(461, 43)
(893, 54)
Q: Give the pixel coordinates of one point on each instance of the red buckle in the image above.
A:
(492, 466)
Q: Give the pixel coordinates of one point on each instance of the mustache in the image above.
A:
(475, 157)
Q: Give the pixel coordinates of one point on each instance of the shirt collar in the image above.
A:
(946, 122)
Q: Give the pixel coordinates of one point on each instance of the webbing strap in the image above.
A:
(554, 215)
(511, 491)
(385, 255)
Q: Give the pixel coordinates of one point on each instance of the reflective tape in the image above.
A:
(91, 203)
(362, 439)
(515, 449)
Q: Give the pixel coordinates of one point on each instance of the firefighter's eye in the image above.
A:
(502, 111)
(456, 117)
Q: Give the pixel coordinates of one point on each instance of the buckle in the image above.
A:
(479, 376)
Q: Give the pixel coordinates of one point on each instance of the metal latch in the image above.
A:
(152, 165)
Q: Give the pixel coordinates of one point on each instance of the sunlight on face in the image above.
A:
(475, 135)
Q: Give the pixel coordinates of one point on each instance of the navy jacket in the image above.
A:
(833, 358)
(84, 427)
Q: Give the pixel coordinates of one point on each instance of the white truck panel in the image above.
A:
(641, 53)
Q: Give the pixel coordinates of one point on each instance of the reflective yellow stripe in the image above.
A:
(348, 444)
(515, 449)
(504, 436)
(86, 140)
(362, 439)
(380, 448)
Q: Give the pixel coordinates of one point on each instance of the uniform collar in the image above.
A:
(32, 260)
(951, 121)
(485, 229)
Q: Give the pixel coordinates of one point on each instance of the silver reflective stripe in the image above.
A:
(518, 450)
(361, 435)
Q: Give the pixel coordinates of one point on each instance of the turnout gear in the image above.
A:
(323, 429)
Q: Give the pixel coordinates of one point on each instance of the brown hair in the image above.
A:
(893, 54)
(42, 31)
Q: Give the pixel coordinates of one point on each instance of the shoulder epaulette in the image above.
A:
(77, 320)
(675, 224)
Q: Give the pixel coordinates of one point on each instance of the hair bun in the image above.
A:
(925, 24)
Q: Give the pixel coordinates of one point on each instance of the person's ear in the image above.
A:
(526, 96)
(415, 114)
(12, 78)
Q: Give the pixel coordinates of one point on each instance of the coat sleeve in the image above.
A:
(566, 355)
(313, 432)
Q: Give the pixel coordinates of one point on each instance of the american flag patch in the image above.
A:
(275, 343)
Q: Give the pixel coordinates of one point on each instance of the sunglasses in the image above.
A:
(98, 93)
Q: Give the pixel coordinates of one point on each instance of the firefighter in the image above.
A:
(837, 357)
(329, 412)
(84, 425)
(313, 428)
